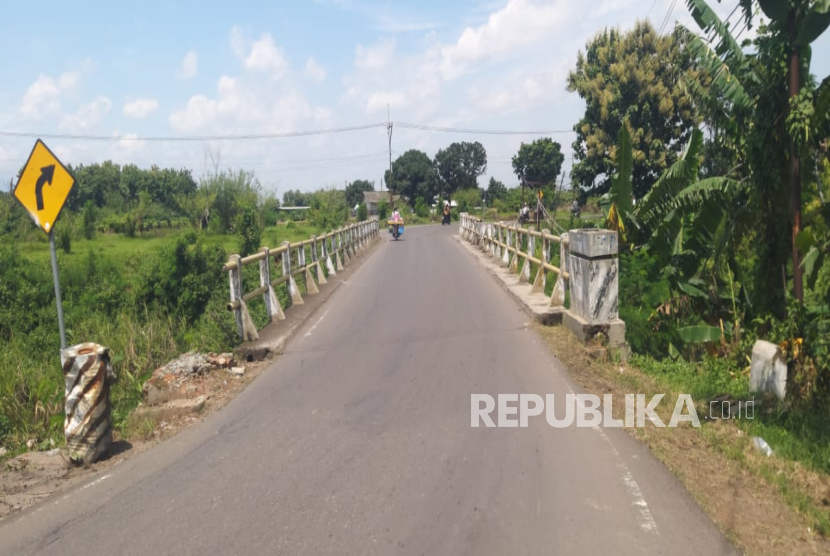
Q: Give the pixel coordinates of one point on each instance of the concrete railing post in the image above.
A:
(594, 277)
(513, 267)
(327, 256)
(524, 277)
(244, 324)
(337, 241)
(540, 281)
(293, 290)
(310, 284)
(87, 425)
(321, 276)
(560, 287)
(272, 302)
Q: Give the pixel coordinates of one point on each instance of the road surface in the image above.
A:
(358, 441)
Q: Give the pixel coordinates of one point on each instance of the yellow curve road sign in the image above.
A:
(44, 186)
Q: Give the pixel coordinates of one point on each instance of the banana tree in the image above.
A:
(684, 221)
(804, 21)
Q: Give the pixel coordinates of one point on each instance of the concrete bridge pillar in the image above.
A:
(593, 283)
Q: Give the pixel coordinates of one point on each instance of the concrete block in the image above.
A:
(768, 370)
(612, 333)
(593, 285)
(593, 244)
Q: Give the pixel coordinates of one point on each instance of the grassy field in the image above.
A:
(148, 298)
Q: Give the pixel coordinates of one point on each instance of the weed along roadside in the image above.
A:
(759, 496)
(190, 387)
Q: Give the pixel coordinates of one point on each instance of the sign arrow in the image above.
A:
(46, 175)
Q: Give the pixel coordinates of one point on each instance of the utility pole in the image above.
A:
(389, 133)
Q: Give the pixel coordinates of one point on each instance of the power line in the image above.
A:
(266, 136)
(186, 138)
(668, 16)
(651, 8)
(480, 131)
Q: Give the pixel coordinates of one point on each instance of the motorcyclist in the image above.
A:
(446, 219)
(524, 214)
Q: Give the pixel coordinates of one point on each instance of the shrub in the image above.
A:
(89, 219)
(383, 211)
(362, 212)
(421, 208)
(249, 232)
(64, 240)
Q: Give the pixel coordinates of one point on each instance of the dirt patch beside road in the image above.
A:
(740, 488)
(33, 476)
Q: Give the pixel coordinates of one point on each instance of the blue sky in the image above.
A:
(250, 67)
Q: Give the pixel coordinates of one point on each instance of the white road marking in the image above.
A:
(646, 520)
(95, 482)
(310, 330)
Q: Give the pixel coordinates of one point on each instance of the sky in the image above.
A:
(152, 69)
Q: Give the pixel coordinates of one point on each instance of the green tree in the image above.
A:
(329, 209)
(631, 77)
(249, 231)
(414, 176)
(459, 166)
(383, 211)
(89, 219)
(496, 190)
(296, 198)
(231, 192)
(354, 191)
(362, 212)
(768, 130)
(539, 162)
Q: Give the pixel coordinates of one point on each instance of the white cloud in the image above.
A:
(375, 57)
(43, 97)
(88, 116)
(265, 56)
(314, 70)
(189, 66)
(519, 25)
(378, 101)
(140, 108)
(243, 106)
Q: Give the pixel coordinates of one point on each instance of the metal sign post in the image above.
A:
(42, 189)
(57, 289)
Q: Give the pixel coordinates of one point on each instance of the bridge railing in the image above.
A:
(513, 246)
(334, 249)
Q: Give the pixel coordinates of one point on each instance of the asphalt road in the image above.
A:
(358, 441)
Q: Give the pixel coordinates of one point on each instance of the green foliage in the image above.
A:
(421, 208)
(630, 77)
(383, 211)
(63, 238)
(232, 193)
(296, 199)
(539, 162)
(354, 191)
(329, 209)
(249, 232)
(414, 176)
(362, 212)
(89, 219)
(459, 166)
(496, 190)
(468, 199)
(182, 278)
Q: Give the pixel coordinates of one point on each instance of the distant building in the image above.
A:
(373, 198)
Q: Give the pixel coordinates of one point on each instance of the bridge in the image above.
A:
(358, 438)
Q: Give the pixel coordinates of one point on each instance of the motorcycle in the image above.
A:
(445, 220)
(524, 218)
(396, 227)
